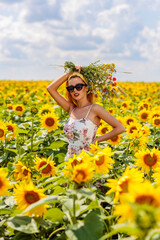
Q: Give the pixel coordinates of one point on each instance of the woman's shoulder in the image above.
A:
(97, 107)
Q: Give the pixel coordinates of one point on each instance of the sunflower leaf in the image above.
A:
(23, 224)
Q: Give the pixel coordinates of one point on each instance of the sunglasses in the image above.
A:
(78, 87)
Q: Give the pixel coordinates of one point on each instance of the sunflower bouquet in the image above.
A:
(97, 76)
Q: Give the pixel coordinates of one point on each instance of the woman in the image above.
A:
(84, 115)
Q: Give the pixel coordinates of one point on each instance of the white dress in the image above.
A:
(80, 133)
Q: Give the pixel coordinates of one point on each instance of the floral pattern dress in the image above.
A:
(80, 133)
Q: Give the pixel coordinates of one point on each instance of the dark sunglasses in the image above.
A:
(78, 87)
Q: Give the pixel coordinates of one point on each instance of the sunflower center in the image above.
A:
(1, 132)
(124, 186)
(100, 161)
(156, 115)
(19, 108)
(129, 121)
(145, 105)
(25, 172)
(144, 115)
(149, 160)
(47, 169)
(132, 129)
(157, 122)
(104, 130)
(31, 197)
(74, 162)
(114, 139)
(10, 128)
(80, 175)
(1, 183)
(10, 107)
(124, 105)
(50, 121)
(148, 199)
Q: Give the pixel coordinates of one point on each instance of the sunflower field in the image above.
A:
(110, 192)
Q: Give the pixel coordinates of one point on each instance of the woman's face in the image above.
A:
(77, 95)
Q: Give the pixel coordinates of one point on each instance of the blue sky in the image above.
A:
(37, 35)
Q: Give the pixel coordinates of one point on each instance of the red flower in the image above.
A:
(114, 79)
(114, 84)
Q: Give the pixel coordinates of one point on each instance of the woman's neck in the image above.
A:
(83, 104)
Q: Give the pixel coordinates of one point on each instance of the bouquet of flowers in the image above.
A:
(98, 77)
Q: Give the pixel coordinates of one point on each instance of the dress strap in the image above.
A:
(72, 111)
(88, 111)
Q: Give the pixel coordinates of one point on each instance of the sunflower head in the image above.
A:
(82, 173)
(46, 166)
(4, 183)
(26, 194)
(49, 121)
(19, 109)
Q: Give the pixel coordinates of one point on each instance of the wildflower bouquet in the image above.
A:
(98, 76)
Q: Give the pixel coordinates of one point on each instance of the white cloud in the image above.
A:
(148, 43)
(35, 34)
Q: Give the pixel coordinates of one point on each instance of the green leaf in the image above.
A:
(11, 150)
(90, 229)
(41, 202)
(22, 236)
(55, 215)
(5, 211)
(56, 145)
(122, 228)
(23, 224)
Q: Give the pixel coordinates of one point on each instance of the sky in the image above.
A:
(36, 36)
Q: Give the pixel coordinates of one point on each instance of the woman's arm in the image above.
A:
(52, 89)
(108, 118)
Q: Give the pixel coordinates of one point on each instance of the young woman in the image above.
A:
(84, 115)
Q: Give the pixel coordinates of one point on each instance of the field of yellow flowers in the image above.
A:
(110, 192)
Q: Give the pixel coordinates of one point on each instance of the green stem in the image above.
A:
(32, 134)
(74, 209)
(57, 230)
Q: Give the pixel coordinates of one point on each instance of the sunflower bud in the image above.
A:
(145, 219)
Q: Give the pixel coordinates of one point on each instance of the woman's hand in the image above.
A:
(78, 68)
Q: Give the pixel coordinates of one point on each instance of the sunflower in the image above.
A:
(144, 115)
(12, 128)
(102, 160)
(154, 113)
(141, 194)
(9, 107)
(94, 148)
(139, 139)
(121, 185)
(46, 108)
(144, 105)
(4, 183)
(82, 173)
(103, 129)
(128, 119)
(19, 109)
(3, 130)
(145, 130)
(156, 174)
(156, 121)
(115, 140)
(21, 172)
(81, 158)
(133, 126)
(46, 166)
(26, 194)
(49, 121)
(125, 105)
(147, 159)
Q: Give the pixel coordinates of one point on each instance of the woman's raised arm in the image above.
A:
(52, 89)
